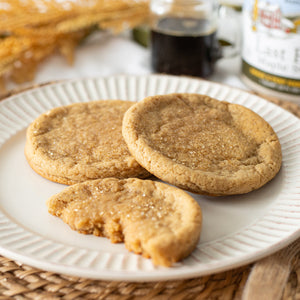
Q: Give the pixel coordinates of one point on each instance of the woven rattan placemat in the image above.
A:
(18, 281)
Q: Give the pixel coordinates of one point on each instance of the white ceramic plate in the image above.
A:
(236, 230)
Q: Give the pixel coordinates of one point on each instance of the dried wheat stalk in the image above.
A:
(32, 30)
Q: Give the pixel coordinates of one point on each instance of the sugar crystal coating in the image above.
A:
(81, 141)
(152, 218)
(201, 144)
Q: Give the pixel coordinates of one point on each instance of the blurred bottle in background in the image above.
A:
(184, 37)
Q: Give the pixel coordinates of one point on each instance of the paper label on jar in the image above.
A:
(271, 46)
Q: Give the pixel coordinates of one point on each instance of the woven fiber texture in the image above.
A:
(18, 281)
(23, 282)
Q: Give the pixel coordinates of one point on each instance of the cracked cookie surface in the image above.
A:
(81, 141)
(152, 218)
(201, 144)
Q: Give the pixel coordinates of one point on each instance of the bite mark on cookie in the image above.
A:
(151, 218)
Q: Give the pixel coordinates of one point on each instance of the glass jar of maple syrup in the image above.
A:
(184, 37)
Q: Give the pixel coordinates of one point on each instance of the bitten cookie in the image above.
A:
(81, 141)
(152, 218)
(201, 144)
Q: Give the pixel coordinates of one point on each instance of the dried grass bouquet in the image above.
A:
(32, 30)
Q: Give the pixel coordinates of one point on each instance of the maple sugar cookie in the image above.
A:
(81, 141)
(152, 218)
(201, 144)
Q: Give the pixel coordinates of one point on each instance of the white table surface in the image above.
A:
(104, 54)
